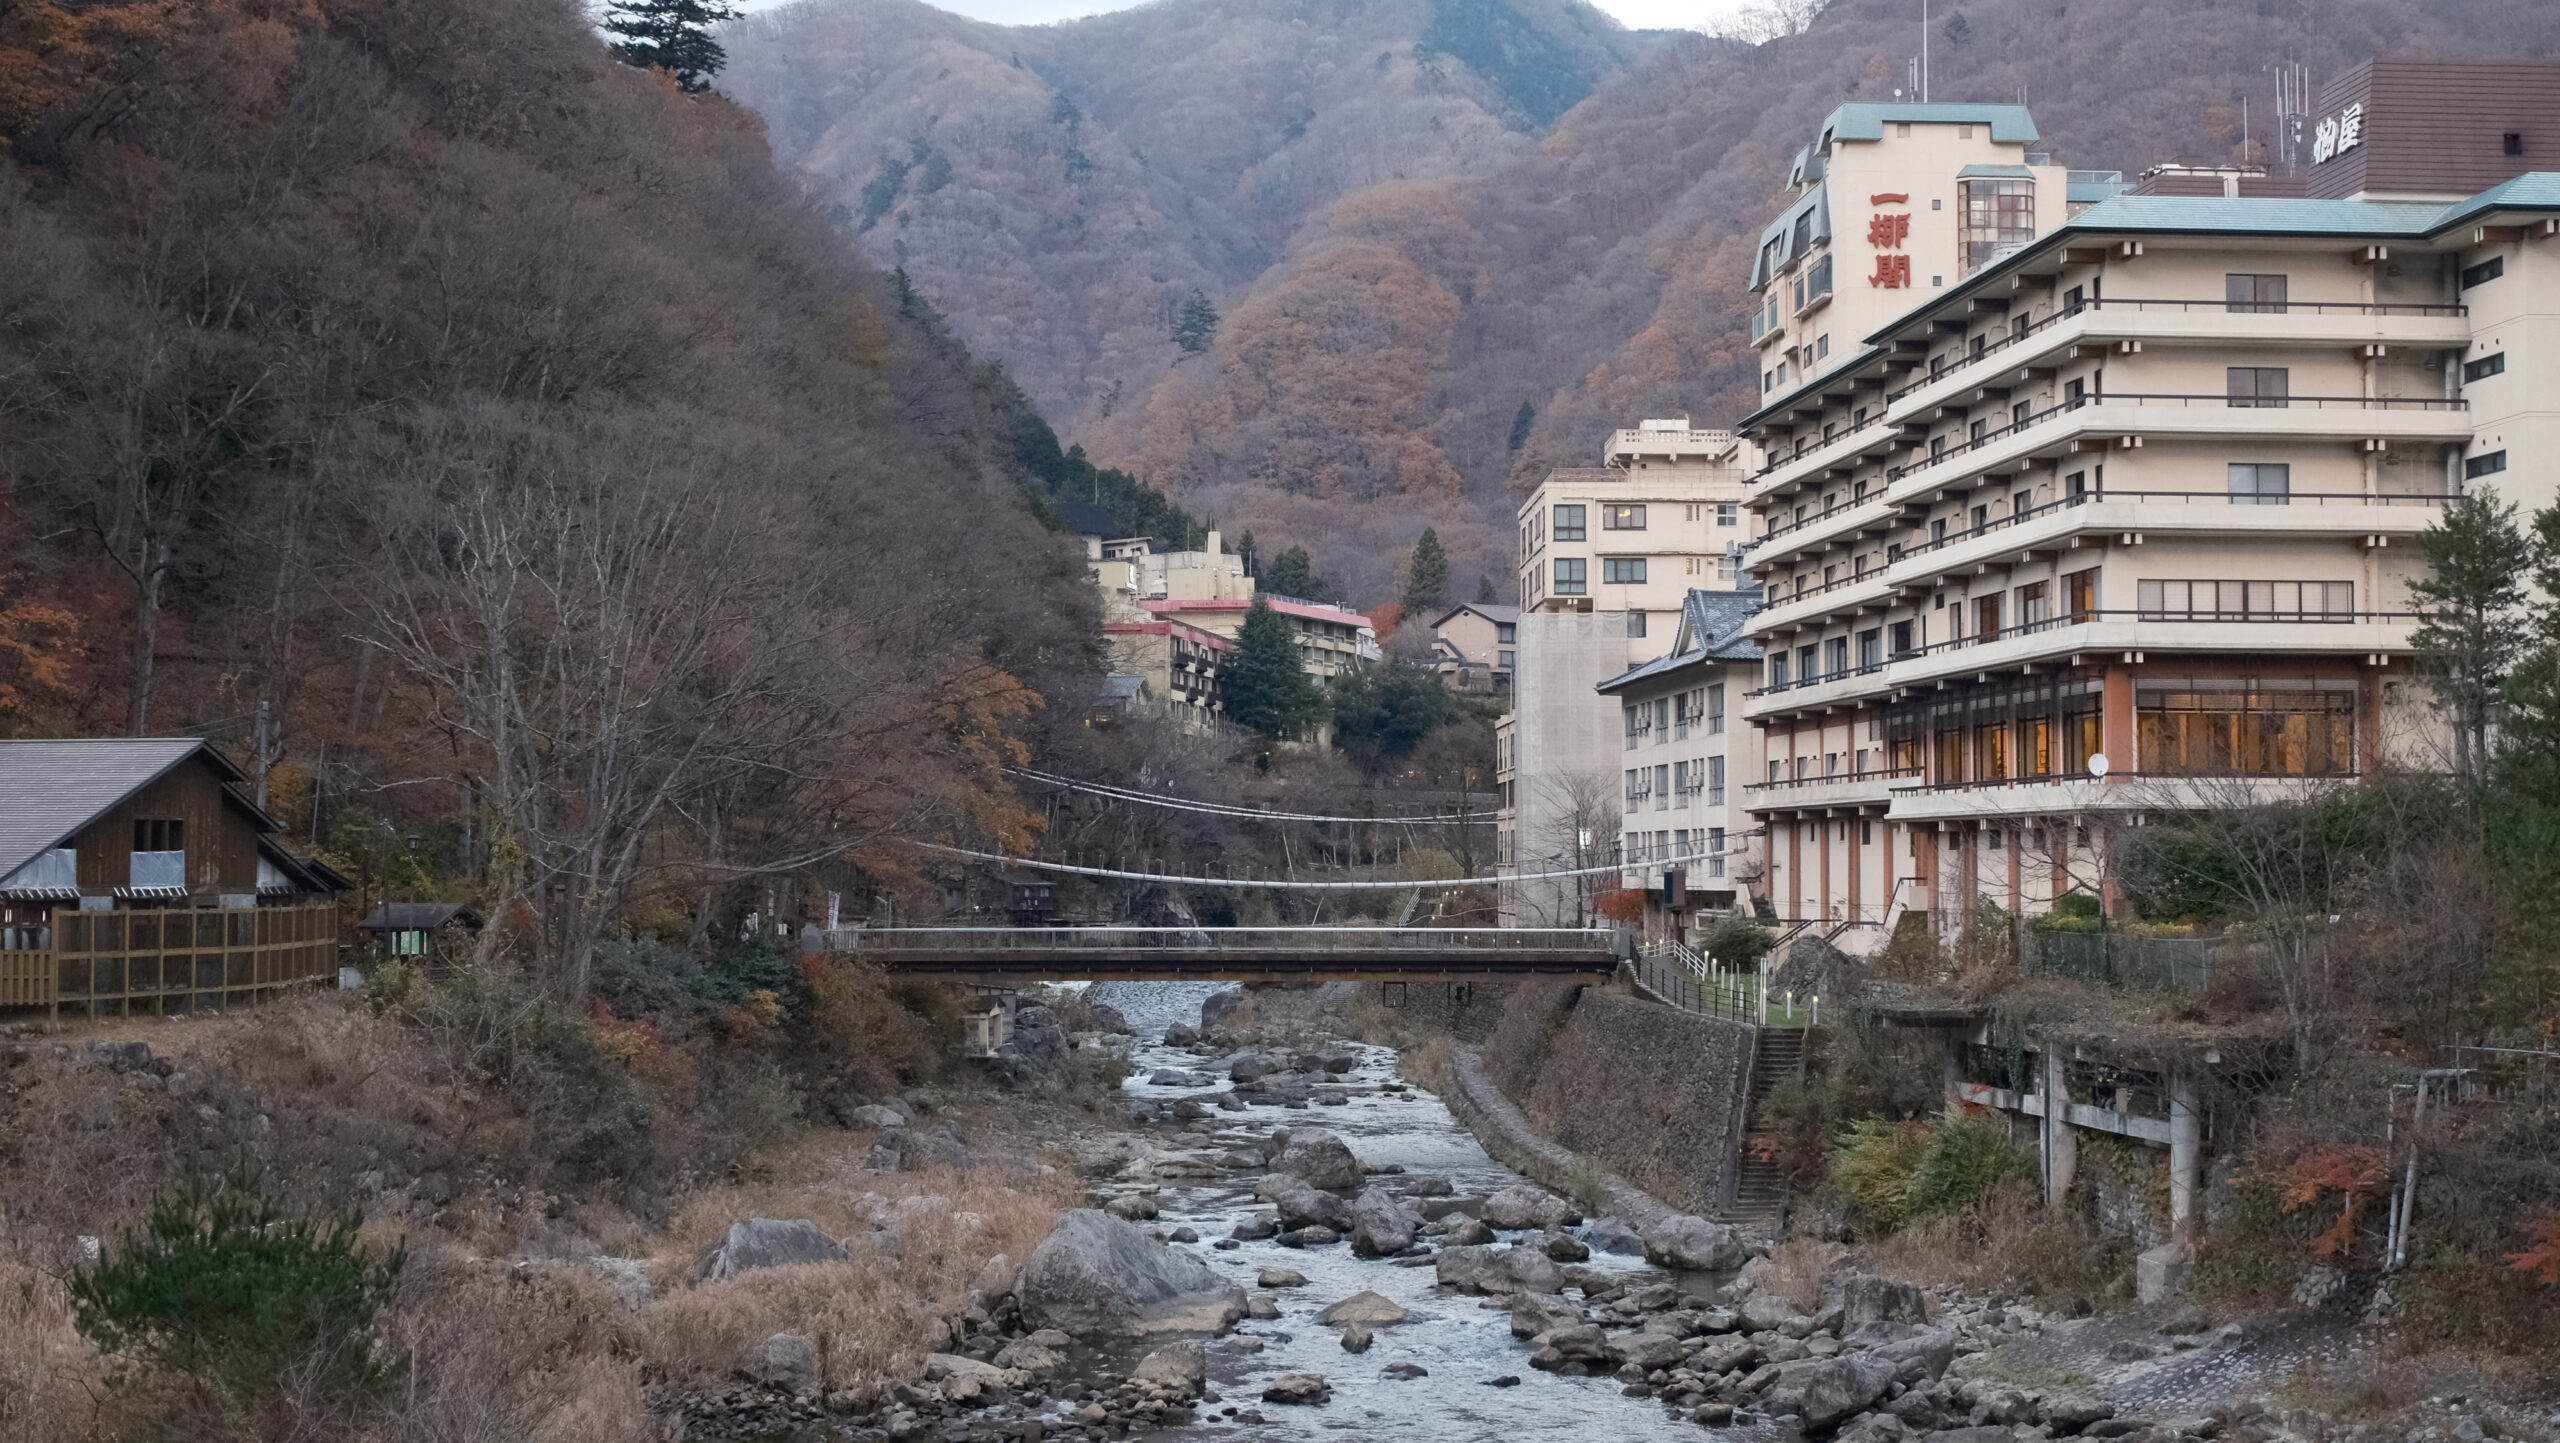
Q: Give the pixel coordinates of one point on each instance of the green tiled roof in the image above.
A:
(1711, 622)
(2249, 215)
(1867, 122)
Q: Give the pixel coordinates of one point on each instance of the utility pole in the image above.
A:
(1924, 52)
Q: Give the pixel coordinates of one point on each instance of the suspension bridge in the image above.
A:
(1011, 956)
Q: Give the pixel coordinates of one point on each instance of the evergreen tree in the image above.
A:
(1382, 711)
(1293, 573)
(2529, 731)
(1526, 417)
(1197, 325)
(672, 35)
(1426, 578)
(1959, 30)
(1485, 594)
(1266, 687)
(2467, 606)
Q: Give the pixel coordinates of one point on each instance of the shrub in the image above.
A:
(1872, 1164)
(221, 1287)
(1739, 942)
(1969, 1154)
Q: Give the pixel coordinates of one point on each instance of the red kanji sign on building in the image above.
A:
(1887, 232)
(1892, 272)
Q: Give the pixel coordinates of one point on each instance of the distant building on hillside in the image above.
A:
(1330, 640)
(1131, 570)
(1177, 666)
(1474, 646)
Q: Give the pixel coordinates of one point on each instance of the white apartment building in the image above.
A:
(2118, 516)
(1685, 756)
(1608, 558)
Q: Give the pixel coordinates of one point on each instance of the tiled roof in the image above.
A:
(1711, 626)
(1867, 121)
(417, 917)
(49, 790)
(2255, 215)
(1500, 615)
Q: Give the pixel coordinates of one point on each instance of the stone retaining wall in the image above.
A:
(1644, 1090)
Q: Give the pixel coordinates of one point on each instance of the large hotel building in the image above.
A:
(2078, 500)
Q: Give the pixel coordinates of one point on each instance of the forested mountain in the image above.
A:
(492, 449)
(1431, 253)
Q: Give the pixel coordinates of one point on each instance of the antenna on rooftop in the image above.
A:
(1924, 52)
(2293, 105)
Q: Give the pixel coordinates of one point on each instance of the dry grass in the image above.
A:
(1433, 1065)
(46, 1371)
(871, 1319)
(1795, 1268)
(2009, 1240)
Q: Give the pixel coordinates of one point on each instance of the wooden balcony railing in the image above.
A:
(170, 960)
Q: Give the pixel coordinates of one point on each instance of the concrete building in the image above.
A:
(1608, 558)
(1475, 647)
(1178, 664)
(1684, 755)
(1330, 640)
(1131, 569)
(2119, 517)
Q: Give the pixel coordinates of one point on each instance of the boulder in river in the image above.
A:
(1765, 1312)
(1254, 1227)
(1379, 1228)
(1535, 1313)
(766, 1243)
(1319, 1157)
(1135, 1207)
(1304, 1206)
(1608, 1235)
(1218, 1009)
(1374, 1309)
(1302, 1389)
(1470, 1232)
(1355, 1338)
(1523, 1206)
(1313, 1235)
(1566, 1248)
(1682, 1241)
(1280, 1278)
(784, 1361)
(1865, 1298)
(1828, 1391)
(1095, 1273)
(1182, 1369)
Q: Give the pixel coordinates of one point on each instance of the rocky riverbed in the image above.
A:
(1291, 1241)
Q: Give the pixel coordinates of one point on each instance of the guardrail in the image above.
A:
(1192, 940)
(1692, 983)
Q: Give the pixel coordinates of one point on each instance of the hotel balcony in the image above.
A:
(2127, 634)
(1867, 791)
(2117, 792)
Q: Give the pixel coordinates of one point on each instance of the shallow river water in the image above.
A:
(1463, 1344)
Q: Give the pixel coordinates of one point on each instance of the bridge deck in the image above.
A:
(1242, 954)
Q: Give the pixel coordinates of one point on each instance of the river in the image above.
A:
(1464, 1344)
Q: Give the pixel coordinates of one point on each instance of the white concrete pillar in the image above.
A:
(2186, 1147)
(2061, 1145)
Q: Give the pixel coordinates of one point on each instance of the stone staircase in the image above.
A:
(1758, 1192)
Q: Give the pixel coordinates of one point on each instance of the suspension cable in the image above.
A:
(1039, 866)
(1227, 809)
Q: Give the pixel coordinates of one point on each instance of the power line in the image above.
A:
(1226, 809)
(1038, 866)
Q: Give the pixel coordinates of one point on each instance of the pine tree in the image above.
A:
(1293, 573)
(1197, 326)
(1526, 417)
(1485, 594)
(2529, 732)
(1266, 687)
(672, 35)
(1426, 578)
(2467, 607)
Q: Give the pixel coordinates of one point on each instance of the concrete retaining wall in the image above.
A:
(1647, 1091)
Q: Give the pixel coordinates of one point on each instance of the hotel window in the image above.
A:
(1568, 523)
(1715, 782)
(1662, 788)
(1777, 669)
(2489, 465)
(1622, 570)
(2246, 600)
(1997, 213)
(2260, 483)
(1986, 616)
(1835, 656)
(1715, 709)
(2488, 270)
(2076, 485)
(2034, 606)
(1905, 637)
(1870, 648)
(1991, 752)
(2080, 594)
(1622, 518)
(1808, 663)
(1506, 632)
(1571, 574)
(2247, 729)
(2485, 367)
(1715, 851)
(1728, 514)
(2260, 386)
(1635, 623)
(2254, 292)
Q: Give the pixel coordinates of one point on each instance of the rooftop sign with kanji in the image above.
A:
(2337, 134)
(1887, 233)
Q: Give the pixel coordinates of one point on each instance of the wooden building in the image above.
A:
(136, 875)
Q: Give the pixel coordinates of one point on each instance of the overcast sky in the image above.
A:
(1638, 14)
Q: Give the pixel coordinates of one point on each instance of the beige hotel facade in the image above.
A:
(2070, 508)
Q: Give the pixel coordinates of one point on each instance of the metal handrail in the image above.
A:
(1190, 939)
(1872, 774)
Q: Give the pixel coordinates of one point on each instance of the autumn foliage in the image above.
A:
(2540, 1259)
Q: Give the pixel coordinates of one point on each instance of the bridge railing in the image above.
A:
(1192, 940)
